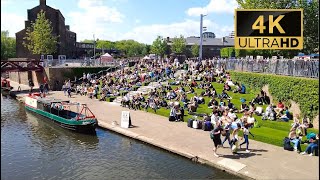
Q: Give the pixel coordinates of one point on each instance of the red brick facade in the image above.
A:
(67, 38)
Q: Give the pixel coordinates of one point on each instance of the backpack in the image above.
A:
(272, 116)
(190, 121)
(286, 144)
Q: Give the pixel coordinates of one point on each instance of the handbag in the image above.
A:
(211, 135)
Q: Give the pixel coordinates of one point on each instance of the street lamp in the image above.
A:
(94, 48)
(201, 28)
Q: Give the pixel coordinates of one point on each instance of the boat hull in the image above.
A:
(75, 126)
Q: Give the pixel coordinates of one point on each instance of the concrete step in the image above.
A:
(177, 74)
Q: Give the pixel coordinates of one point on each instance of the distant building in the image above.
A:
(66, 38)
(86, 50)
(208, 35)
(210, 46)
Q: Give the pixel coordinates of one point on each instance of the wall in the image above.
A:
(56, 76)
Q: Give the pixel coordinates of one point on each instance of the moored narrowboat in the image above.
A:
(70, 115)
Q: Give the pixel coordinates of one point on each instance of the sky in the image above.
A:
(140, 20)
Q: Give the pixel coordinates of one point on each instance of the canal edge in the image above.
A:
(141, 138)
(192, 157)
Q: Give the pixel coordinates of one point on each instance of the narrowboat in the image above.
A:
(70, 115)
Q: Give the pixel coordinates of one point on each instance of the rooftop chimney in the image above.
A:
(43, 2)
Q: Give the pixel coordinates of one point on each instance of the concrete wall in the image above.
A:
(23, 77)
(56, 76)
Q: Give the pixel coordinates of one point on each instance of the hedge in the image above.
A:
(227, 52)
(301, 90)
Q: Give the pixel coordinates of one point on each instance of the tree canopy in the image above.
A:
(39, 37)
(159, 46)
(310, 18)
(195, 50)
(178, 45)
(8, 46)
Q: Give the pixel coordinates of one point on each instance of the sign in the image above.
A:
(268, 29)
(125, 119)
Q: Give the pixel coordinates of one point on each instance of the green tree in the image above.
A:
(159, 46)
(8, 46)
(104, 44)
(195, 50)
(310, 19)
(146, 49)
(178, 45)
(39, 37)
(87, 41)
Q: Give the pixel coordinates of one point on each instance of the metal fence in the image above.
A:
(288, 67)
(78, 63)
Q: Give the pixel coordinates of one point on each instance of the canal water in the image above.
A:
(32, 147)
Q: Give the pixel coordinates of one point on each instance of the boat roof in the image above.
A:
(49, 100)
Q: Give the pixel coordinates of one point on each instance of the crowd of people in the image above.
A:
(174, 97)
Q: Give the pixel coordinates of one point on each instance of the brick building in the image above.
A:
(66, 38)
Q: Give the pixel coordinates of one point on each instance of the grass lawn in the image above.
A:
(271, 132)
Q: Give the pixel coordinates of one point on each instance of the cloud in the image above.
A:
(94, 17)
(147, 34)
(137, 21)
(5, 2)
(7, 20)
(214, 6)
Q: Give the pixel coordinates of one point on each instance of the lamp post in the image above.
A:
(201, 28)
(94, 48)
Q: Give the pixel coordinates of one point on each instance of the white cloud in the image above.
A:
(214, 6)
(147, 34)
(5, 2)
(12, 23)
(94, 17)
(137, 21)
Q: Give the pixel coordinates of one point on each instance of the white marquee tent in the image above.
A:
(106, 58)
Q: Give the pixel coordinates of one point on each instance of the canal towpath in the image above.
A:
(265, 161)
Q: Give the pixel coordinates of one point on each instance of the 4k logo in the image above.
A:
(269, 29)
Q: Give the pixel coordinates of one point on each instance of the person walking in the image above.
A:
(64, 88)
(235, 138)
(245, 130)
(227, 137)
(31, 85)
(215, 135)
(69, 92)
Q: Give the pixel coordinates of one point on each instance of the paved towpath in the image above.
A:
(264, 162)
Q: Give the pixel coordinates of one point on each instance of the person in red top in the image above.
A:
(280, 105)
(279, 109)
(45, 80)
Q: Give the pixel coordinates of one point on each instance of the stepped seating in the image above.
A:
(142, 90)
(179, 72)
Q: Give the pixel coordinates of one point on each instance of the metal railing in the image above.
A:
(288, 67)
(78, 63)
